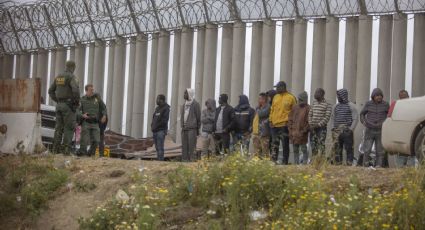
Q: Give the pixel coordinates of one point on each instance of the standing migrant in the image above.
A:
(159, 125)
(261, 128)
(208, 120)
(224, 119)
(298, 128)
(244, 115)
(372, 116)
(282, 105)
(190, 123)
(344, 119)
(318, 119)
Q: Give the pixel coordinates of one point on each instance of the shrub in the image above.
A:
(27, 185)
(231, 191)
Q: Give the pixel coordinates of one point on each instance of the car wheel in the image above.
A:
(420, 145)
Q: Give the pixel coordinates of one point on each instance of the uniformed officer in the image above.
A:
(92, 111)
(66, 93)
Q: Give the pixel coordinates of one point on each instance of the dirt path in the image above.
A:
(65, 209)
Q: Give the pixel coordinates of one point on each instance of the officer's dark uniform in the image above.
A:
(66, 93)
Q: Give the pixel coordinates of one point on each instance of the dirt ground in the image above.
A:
(64, 210)
(109, 175)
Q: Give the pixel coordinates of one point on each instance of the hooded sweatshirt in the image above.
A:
(298, 120)
(160, 118)
(374, 113)
(244, 115)
(208, 116)
(188, 103)
(191, 113)
(344, 113)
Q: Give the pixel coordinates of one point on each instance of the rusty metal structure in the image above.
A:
(58, 23)
(19, 95)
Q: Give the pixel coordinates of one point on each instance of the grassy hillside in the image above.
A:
(230, 193)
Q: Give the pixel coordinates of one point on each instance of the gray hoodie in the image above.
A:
(208, 116)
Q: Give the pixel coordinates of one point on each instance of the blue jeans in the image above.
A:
(158, 139)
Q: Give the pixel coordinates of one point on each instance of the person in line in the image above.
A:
(244, 115)
(208, 120)
(91, 113)
(318, 119)
(344, 119)
(65, 92)
(403, 94)
(298, 128)
(159, 125)
(372, 117)
(282, 105)
(190, 123)
(224, 119)
(402, 159)
(270, 95)
(261, 128)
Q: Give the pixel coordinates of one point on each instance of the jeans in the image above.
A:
(317, 140)
(373, 136)
(281, 135)
(158, 139)
(297, 154)
(241, 139)
(343, 138)
(222, 142)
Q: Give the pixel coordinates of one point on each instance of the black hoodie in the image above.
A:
(244, 115)
(160, 118)
(374, 113)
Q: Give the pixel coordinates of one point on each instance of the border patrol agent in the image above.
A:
(92, 112)
(66, 93)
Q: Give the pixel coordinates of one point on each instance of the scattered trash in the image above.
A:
(18, 198)
(122, 196)
(67, 163)
(332, 198)
(69, 186)
(81, 171)
(211, 212)
(141, 168)
(372, 168)
(257, 215)
(217, 202)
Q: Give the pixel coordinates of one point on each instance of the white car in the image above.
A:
(403, 131)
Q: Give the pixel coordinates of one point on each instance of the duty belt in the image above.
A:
(64, 100)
